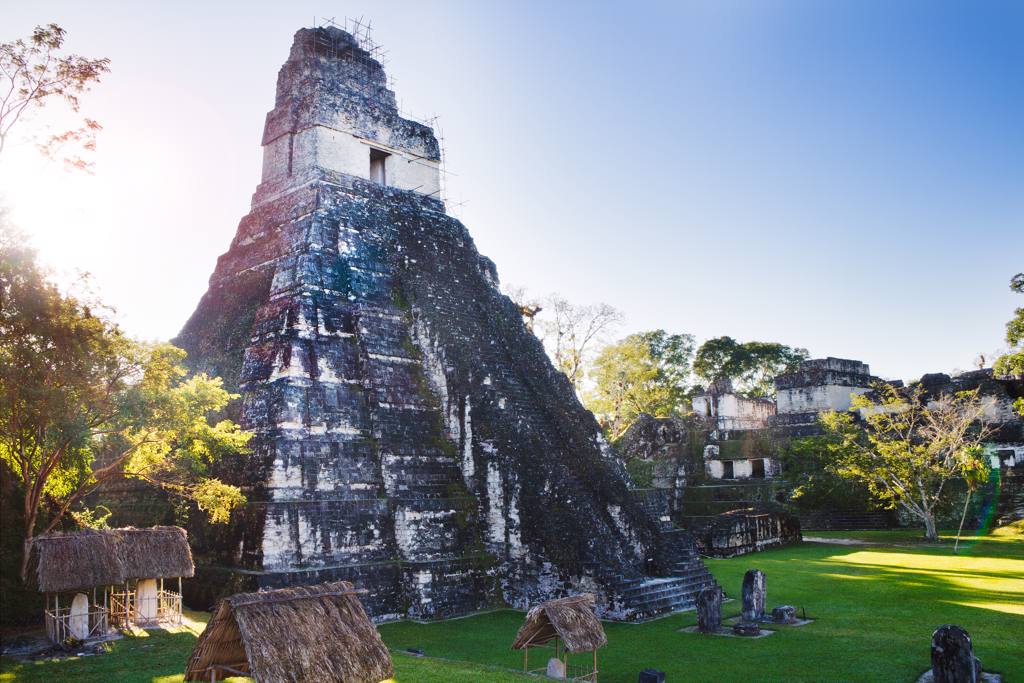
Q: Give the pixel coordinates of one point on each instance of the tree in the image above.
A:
(910, 447)
(1012, 363)
(569, 330)
(807, 463)
(33, 72)
(751, 367)
(82, 405)
(646, 372)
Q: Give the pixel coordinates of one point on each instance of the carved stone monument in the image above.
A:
(709, 610)
(953, 659)
(754, 593)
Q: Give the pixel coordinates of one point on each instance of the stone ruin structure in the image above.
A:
(818, 385)
(412, 436)
(739, 532)
(718, 471)
(1006, 445)
(716, 474)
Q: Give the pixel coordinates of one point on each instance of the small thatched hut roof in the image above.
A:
(67, 561)
(571, 619)
(159, 552)
(293, 635)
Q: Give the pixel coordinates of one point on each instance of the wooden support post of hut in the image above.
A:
(305, 633)
(109, 564)
(566, 626)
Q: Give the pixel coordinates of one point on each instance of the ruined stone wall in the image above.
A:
(411, 435)
(997, 394)
(745, 531)
(818, 385)
(733, 411)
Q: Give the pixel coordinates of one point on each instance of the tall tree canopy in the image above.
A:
(1012, 363)
(81, 404)
(910, 447)
(569, 331)
(34, 72)
(751, 366)
(647, 372)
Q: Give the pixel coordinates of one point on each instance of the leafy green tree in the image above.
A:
(910, 447)
(807, 464)
(34, 72)
(1012, 363)
(82, 405)
(646, 372)
(751, 367)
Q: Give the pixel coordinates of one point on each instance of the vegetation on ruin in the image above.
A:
(875, 606)
(83, 405)
(641, 472)
(1012, 362)
(647, 372)
(751, 367)
(35, 71)
(808, 465)
(909, 448)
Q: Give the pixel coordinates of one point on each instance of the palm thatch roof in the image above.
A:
(67, 561)
(293, 635)
(571, 619)
(158, 552)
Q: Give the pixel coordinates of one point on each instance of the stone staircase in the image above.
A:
(428, 475)
(640, 598)
(1010, 507)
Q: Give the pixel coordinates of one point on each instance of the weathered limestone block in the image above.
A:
(754, 594)
(709, 610)
(953, 659)
(784, 614)
(746, 628)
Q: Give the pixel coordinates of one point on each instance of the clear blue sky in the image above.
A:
(844, 176)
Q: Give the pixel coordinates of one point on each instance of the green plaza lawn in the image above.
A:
(874, 606)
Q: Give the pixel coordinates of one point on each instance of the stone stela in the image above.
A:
(709, 610)
(754, 595)
(953, 659)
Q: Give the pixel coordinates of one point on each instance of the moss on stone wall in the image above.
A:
(641, 472)
(219, 331)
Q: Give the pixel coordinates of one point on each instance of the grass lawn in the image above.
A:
(875, 608)
(160, 657)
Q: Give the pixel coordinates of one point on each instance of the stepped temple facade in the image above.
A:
(412, 436)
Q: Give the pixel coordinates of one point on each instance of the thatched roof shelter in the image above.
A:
(159, 552)
(570, 619)
(68, 561)
(292, 635)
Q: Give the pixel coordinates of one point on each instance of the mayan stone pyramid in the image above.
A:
(411, 435)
